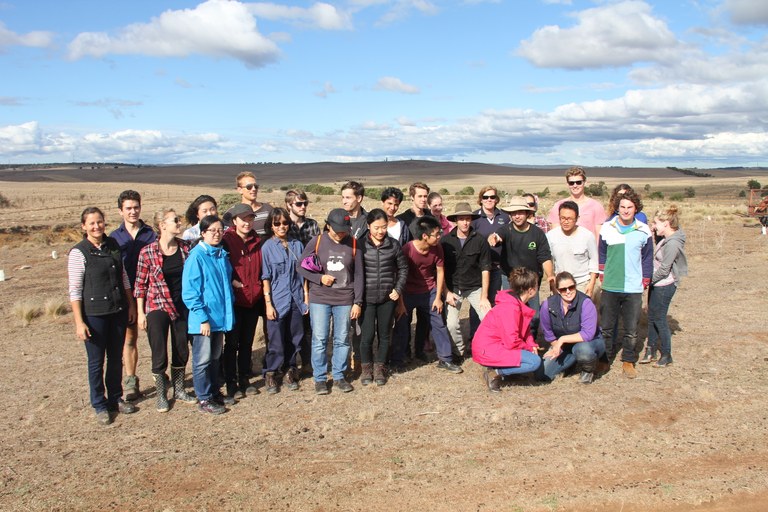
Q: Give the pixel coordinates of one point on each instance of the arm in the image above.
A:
(314, 277)
(549, 275)
(271, 311)
(646, 255)
(593, 264)
(484, 302)
(358, 284)
(437, 305)
(402, 275)
(669, 253)
(76, 277)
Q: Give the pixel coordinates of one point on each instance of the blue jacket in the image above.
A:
(206, 289)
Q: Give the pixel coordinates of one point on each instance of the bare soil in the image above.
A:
(691, 437)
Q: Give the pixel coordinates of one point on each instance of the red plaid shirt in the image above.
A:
(150, 280)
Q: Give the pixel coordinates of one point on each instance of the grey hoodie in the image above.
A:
(672, 258)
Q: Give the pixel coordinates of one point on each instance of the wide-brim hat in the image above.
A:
(463, 209)
(339, 220)
(516, 204)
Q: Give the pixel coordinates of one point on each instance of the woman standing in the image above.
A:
(286, 300)
(207, 293)
(503, 343)
(202, 206)
(669, 265)
(391, 197)
(386, 270)
(569, 323)
(160, 307)
(435, 203)
(336, 291)
(102, 307)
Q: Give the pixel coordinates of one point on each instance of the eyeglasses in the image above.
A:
(299, 204)
(281, 223)
(490, 197)
(214, 231)
(250, 186)
(436, 234)
(565, 289)
(576, 183)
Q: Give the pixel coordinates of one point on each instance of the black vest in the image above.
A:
(570, 323)
(103, 292)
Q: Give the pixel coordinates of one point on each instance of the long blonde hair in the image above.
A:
(160, 217)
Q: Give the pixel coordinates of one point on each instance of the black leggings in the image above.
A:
(377, 318)
(158, 325)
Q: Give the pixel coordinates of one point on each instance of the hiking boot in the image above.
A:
(161, 387)
(179, 393)
(223, 399)
(321, 388)
(379, 374)
(663, 361)
(449, 367)
(628, 369)
(366, 374)
(648, 357)
(130, 387)
(210, 407)
(233, 390)
(291, 379)
(586, 378)
(246, 388)
(271, 383)
(602, 367)
(103, 418)
(492, 380)
(342, 385)
(124, 407)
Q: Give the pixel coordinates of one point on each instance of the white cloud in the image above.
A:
(748, 12)
(611, 35)
(35, 39)
(216, 28)
(11, 101)
(402, 9)
(327, 89)
(390, 83)
(320, 15)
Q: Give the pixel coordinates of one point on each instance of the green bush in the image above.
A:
(743, 193)
(596, 189)
(563, 193)
(753, 185)
(466, 191)
(543, 193)
(656, 195)
(312, 188)
(227, 201)
(676, 197)
(689, 192)
(374, 193)
(444, 192)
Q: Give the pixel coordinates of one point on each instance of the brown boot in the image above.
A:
(270, 382)
(379, 374)
(629, 370)
(492, 380)
(366, 373)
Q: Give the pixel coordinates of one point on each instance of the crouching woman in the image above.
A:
(207, 293)
(503, 343)
(569, 323)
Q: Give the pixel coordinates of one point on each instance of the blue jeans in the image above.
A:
(628, 305)
(105, 345)
(320, 315)
(420, 302)
(585, 354)
(206, 351)
(529, 362)
(659, 298)
(284, 343)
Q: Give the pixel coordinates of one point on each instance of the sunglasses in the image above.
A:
(175, 220)
(490, 197)
(281, 223)
(576, 183)
(567, 288)
(531, 205)
(299, 204)
(251, 186)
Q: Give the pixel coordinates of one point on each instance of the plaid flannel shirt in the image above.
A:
(150, 280)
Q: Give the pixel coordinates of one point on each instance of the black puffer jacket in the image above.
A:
(385, 269)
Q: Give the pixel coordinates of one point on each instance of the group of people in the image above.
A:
(355, 285)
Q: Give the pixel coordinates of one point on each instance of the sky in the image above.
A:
(529, 82)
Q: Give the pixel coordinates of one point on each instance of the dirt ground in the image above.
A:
(691, 437)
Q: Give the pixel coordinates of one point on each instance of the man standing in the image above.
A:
(591, 212)
(303, 228)
(419, 193)
(424, 291)
(626, 262)
(132, 235)
(574, 249)
(524, 245)
(248, 189)
(352, 194)
(467, 273)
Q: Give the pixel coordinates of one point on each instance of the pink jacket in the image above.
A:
(504, 333)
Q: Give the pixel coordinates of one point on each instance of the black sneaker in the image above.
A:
(321, 388)
(210, 407)
(449, 367)
(223, 400)
(124, 407)
(103, 418)
(663, 362)
(342, 385)
(246, 388)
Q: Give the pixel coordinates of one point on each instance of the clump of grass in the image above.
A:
(4, 201)
(26, 311)
(56, 307)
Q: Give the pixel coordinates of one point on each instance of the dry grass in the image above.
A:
(26, 311)
(56, 307)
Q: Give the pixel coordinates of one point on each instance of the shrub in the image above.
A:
(227, 201)
(466, 191)
(543, 193)
(55, 308)
(743, 193)
(374, 193)
(690, 192)
(563, 193)
(656, 195)
(4, 201)
(26, 311)
(323, 190)
(754, 185)
(444, 192)
(647, 187)
(596, 189)
(676, 197)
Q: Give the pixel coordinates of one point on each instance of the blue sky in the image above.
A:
(674, 82)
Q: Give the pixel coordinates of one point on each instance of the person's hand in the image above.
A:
(450, 298)
(142, 321)
(271, 312)
(393, 295)
(485, 305)
(554, 351)
(355, 313)
(205, 329)
(493, 239)
(327, 279)
(552, 287)
(82, 332)
(589, 290)
(437, 305)
(236, 284)
(646, 282)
